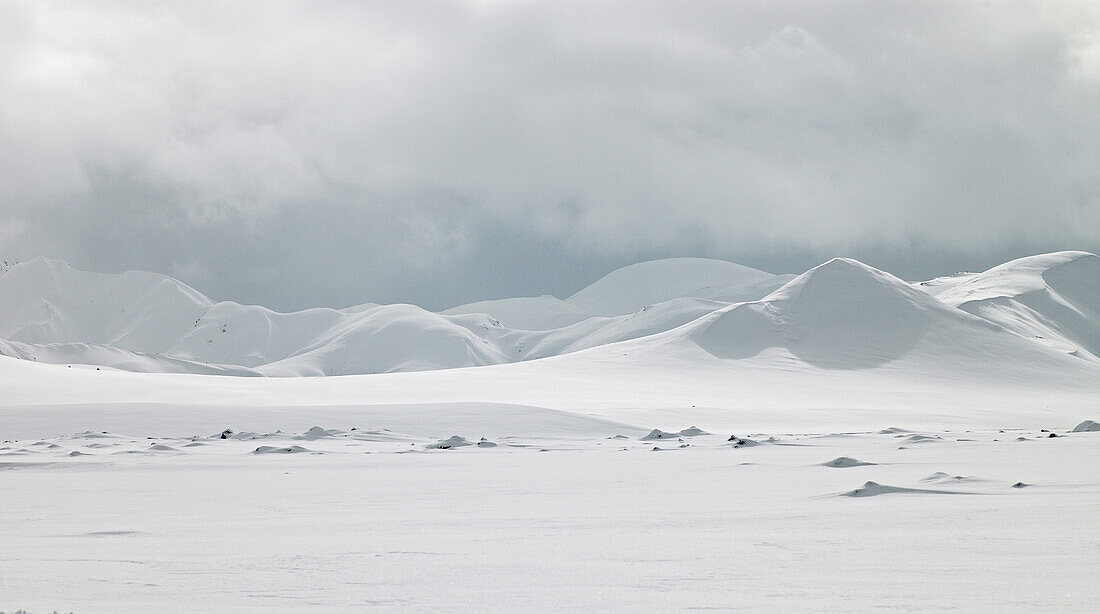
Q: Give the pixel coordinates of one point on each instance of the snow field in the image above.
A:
(374, 519)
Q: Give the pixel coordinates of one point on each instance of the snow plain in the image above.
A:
(841, 440)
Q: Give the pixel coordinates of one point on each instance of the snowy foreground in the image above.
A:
(841, 440)
(341, 520)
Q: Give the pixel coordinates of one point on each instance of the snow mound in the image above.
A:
(630, 288)
(742, 442)
(455, 441)
(1088, 426)
(280, 450)
(872, 489)
(316, 432)
(941, 477)
(844, 462)
(656, 434)
(1053, 299)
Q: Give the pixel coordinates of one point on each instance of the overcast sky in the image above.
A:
(304, 154)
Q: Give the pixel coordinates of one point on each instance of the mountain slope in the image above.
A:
(1053, 299)
(846, 315)
(843, 344)
(47, 301)
(630, 288)
(840, 316)
(155, 320)
(527, 313)
(112, 357)
(389, 338)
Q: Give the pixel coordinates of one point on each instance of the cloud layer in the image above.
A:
(297, 154)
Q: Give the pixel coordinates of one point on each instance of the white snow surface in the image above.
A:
(380, 519)
(847, 441)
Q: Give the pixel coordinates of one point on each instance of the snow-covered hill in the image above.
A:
(846, 316)
(840, 315)
(630, 288)
(528, 313)
(140, 321)
(47, 301)
(1053, 299)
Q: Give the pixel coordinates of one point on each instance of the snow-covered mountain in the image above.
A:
(630, 288)
(845, 315)
(45, 301)
(840, 315)
(1051, 298)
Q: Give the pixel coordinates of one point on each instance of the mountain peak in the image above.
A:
(632, 287)
(842, 314)
(844, 280)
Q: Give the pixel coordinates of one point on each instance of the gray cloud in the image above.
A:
(298, 154)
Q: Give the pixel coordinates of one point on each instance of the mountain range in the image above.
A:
(842, 314)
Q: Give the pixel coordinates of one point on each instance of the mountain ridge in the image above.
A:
(841, 314)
